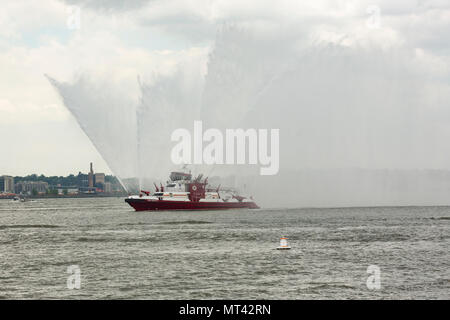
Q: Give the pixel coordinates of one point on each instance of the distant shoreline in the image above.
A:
(52, 196)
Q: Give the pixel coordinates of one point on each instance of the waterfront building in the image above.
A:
(69, 190)
(40, 187)
(82, 180)
(7, 184)
(87, 190)
(99, 178)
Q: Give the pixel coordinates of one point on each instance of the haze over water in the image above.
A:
(124, 254)
(362, 109)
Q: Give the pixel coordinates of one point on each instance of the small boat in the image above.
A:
(283, 244)
(20, 199)
(183, 192)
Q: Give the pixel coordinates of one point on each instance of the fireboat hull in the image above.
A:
(158, 205)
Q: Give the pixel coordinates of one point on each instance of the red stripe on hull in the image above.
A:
(156, 205)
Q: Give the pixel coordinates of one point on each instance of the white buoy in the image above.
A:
(283, 244)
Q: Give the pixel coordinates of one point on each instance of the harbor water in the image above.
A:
(123, 254)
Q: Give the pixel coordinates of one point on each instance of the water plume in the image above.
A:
(348, 115)
(107, 117)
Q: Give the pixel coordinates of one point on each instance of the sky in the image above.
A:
(393, 57)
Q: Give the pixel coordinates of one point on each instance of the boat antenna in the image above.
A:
(217, 190)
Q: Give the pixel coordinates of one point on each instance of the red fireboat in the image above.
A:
(184, 193)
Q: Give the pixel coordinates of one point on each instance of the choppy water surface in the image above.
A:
(124, 254)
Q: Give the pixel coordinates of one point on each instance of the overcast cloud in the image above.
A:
(248, 56)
